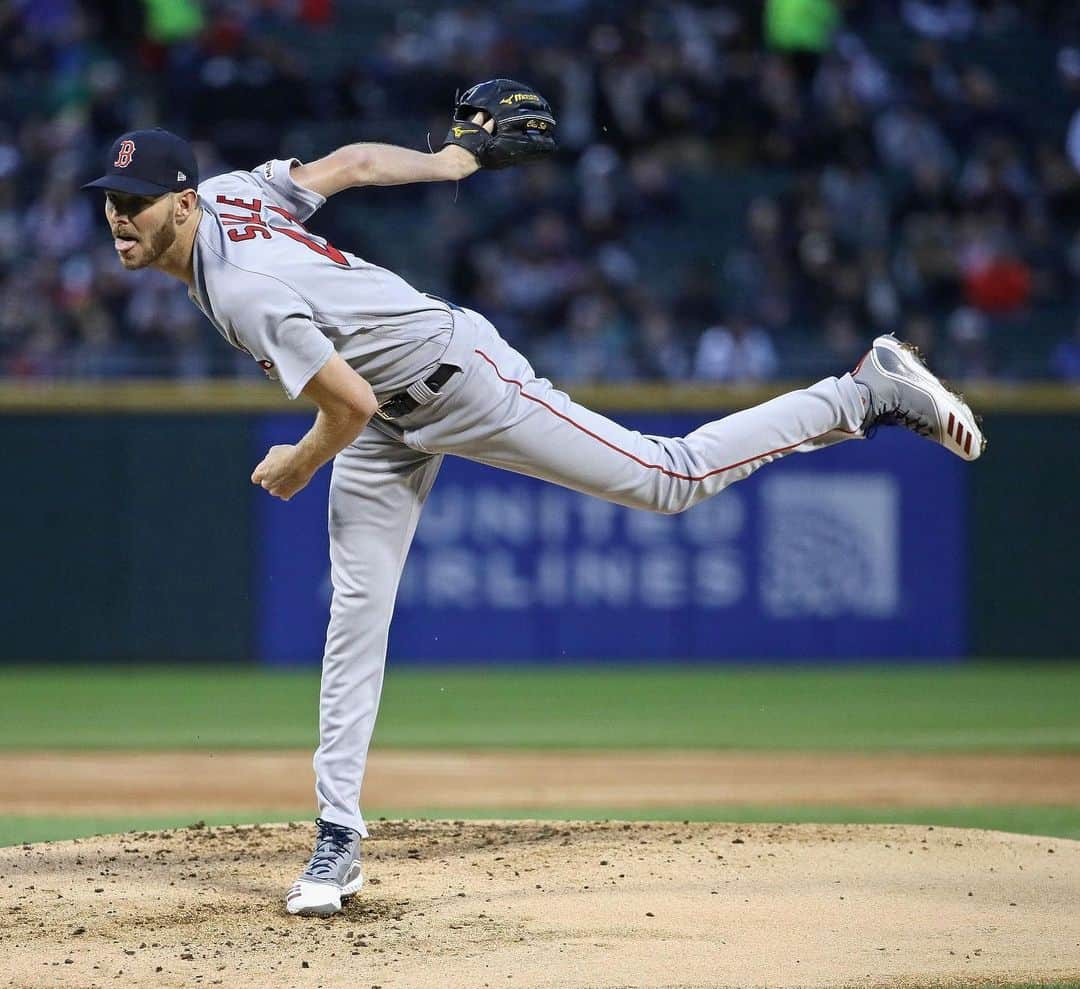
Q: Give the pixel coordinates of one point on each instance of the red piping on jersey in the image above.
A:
(626, 453)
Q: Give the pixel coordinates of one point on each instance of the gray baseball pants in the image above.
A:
(498, 412)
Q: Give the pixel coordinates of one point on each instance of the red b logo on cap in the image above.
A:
(123, 158)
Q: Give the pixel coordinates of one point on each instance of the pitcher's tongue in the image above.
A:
(124, 244)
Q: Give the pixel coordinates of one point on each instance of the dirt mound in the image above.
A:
(546, 904)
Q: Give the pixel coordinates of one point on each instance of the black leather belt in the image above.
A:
(403, 403)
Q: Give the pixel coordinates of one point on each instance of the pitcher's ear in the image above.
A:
(185, 204)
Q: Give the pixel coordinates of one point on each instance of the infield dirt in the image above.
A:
(479, 904)
(410, 781)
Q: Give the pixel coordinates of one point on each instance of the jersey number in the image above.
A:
(249, 232)
(245, 227)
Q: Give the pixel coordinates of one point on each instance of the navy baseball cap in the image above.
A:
(149, 163)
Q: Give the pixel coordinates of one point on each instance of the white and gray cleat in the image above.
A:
(902, 391)
(333, 874)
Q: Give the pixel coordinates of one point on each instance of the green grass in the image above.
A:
(1059, 822)
(966, 708)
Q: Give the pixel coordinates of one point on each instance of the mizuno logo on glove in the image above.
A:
(524, 126)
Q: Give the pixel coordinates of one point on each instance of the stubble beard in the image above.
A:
(160, 241)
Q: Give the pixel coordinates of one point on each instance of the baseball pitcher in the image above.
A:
(401, 378)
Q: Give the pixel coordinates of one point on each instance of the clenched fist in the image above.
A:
(280, 473)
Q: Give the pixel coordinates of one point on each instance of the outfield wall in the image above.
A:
(132, 534)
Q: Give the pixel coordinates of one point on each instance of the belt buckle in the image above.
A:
(391, 408)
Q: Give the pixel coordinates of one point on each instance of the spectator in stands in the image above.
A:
(967, 355)
(843, 340)
(854, 196)
(940, 19)
(660, 352)
(60, 221)
(908, 140)
(595, 345)
(735, 352)
(803, 28)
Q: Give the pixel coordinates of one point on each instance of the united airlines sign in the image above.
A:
(835, 556)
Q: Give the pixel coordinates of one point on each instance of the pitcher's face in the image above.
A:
(144, 227)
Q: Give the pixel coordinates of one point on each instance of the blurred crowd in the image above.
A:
(744, 190)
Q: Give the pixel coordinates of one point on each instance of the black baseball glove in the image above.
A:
(524, 126)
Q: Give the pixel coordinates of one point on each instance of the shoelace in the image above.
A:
(897, 416)
(332, 843)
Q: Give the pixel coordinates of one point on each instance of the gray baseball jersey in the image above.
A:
(290, 299)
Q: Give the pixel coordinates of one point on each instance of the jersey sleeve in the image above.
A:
(275, 179)
(279, 333)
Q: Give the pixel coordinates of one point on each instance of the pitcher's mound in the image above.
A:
(510, 903)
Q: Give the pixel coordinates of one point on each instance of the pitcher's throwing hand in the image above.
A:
(280, 474)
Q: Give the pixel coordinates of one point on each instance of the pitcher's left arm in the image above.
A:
(346, 404)
(495, 124)
(382, 164)
(385, 164)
